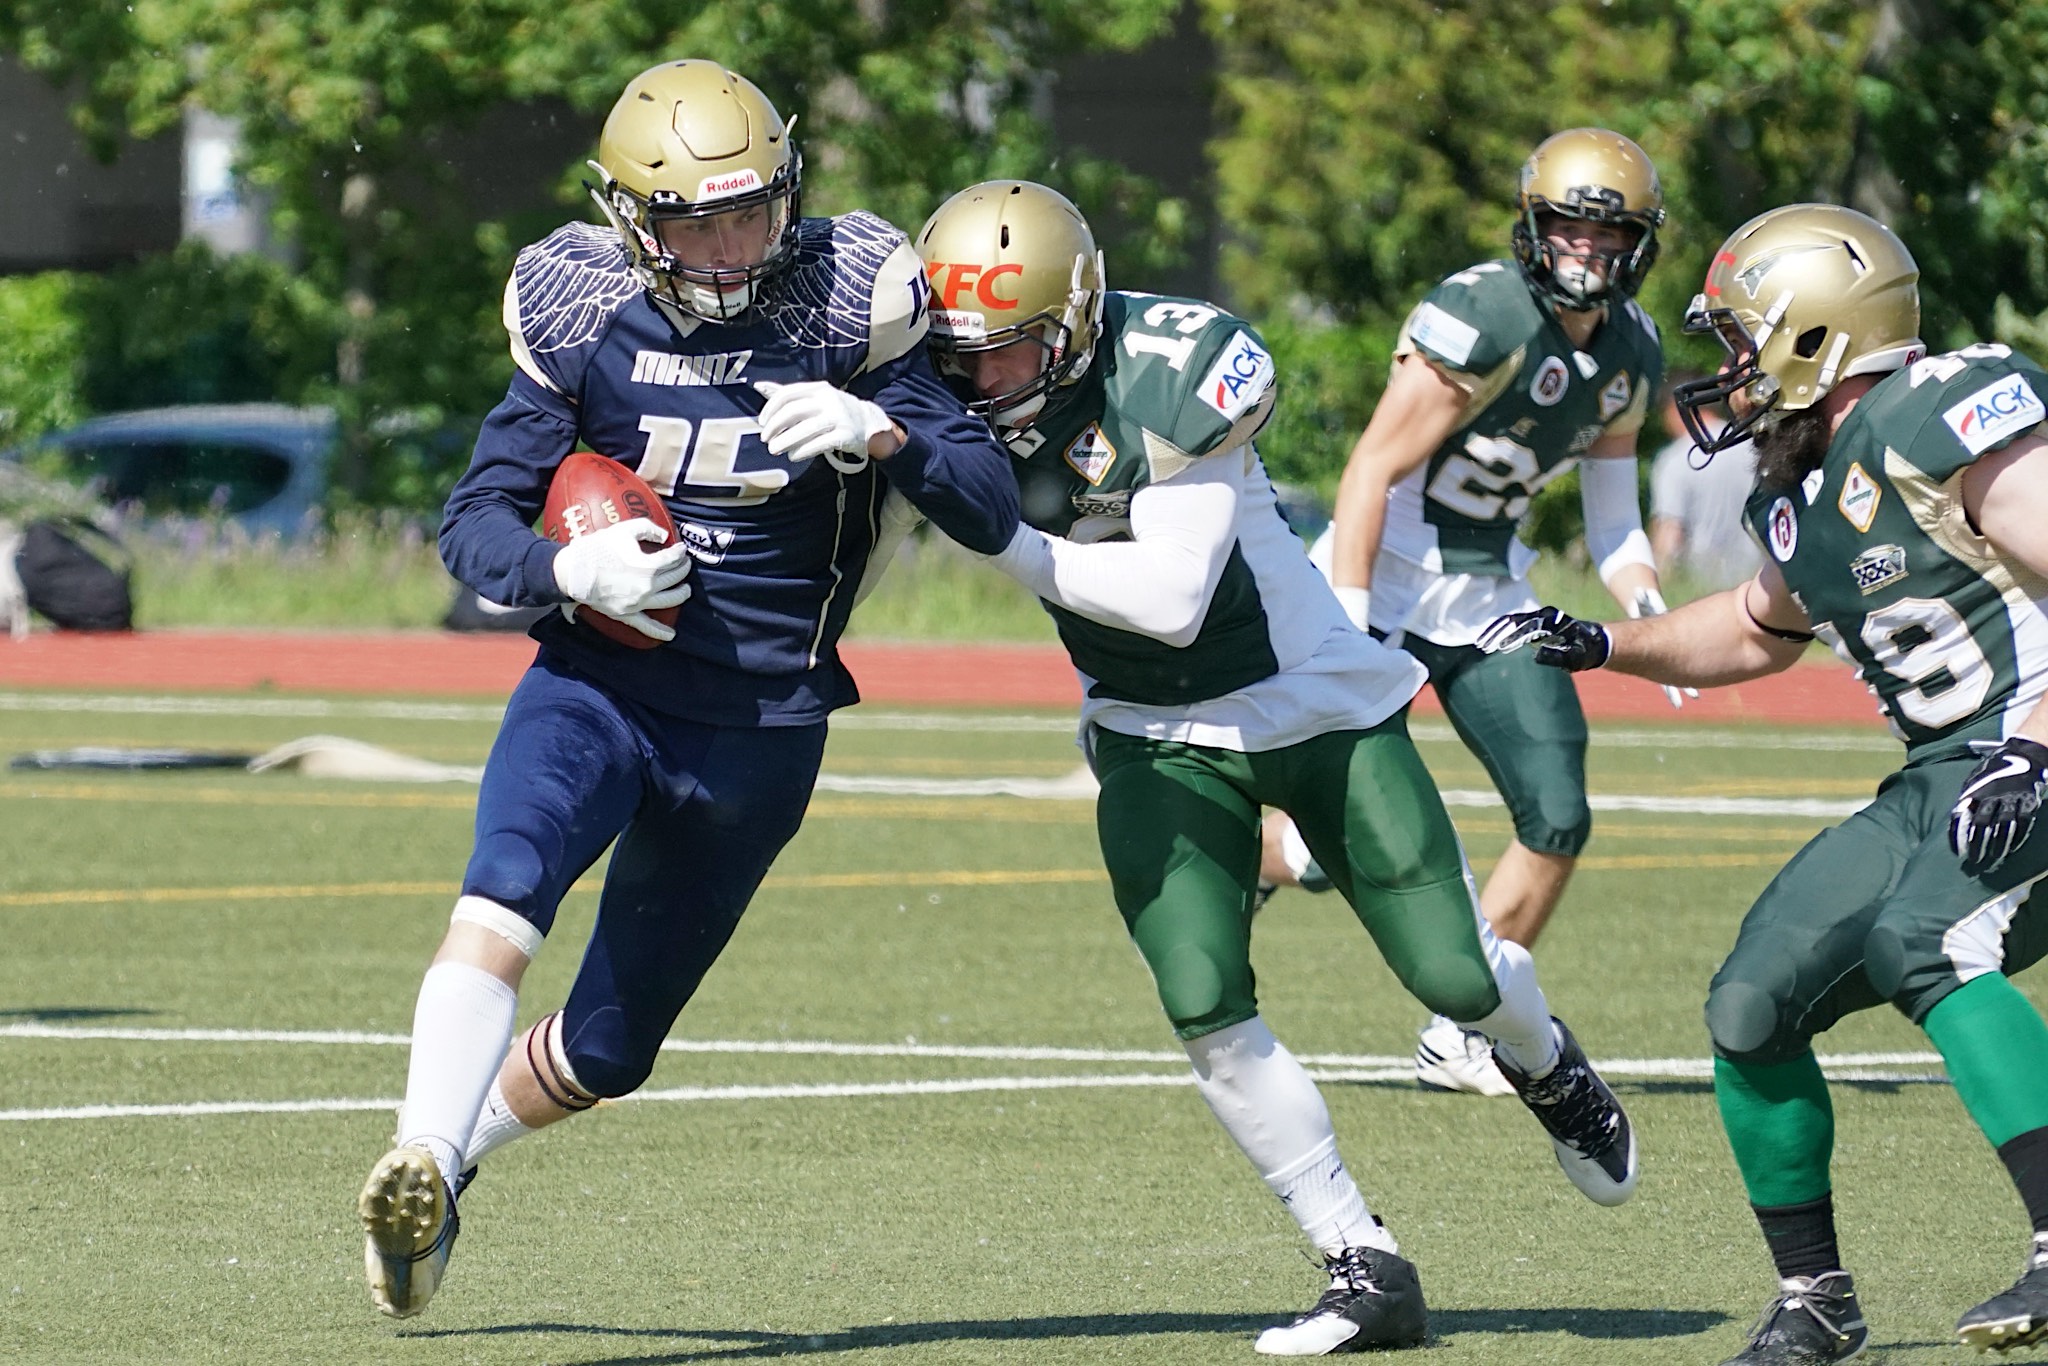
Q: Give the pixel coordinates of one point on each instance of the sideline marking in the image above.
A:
(1683, 1068)
(1061, 723)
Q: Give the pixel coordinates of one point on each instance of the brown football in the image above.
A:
(590, 493)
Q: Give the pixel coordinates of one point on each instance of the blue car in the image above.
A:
(262, 466)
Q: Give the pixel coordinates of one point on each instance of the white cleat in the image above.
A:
(1448, 1058)
(409, 1227)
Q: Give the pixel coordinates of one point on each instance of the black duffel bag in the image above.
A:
(76, 575)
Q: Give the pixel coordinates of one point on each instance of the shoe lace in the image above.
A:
(1351, 1273)
(1825, 1308)
(1574, 1110)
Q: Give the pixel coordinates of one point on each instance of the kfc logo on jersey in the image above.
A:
(1240, 377)
(729, 184)
(1091, 455)
(1783, 524)
(1552, 379)
(1994, 413)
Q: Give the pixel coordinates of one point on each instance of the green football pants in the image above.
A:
(1524, 723)
(1179, 826)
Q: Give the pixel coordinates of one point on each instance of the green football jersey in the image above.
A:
(1535, 404)
(1949, 636)
(1172, 381)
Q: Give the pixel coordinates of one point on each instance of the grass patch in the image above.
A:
(1064, 1224)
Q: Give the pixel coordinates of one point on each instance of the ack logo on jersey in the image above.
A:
(1550, 383)
(1783, 523)
(1615, 396)
(1859, 499)
(1239, 378)
(1878, 566)
(1994, 413)
(1091, 454)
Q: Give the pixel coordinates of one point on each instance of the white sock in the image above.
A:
(495, 1127)
(1520, 1025)
(461, 1028)
(1267, 1104)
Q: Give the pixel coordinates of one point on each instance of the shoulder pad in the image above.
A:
(1196, 379)
(1945, 411)
(564, 291)
(831, 295)
(1473, 320)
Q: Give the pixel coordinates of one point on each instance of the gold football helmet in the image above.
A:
(1801, 298)
(687, 144)
(1601, 177)
(1011, 261)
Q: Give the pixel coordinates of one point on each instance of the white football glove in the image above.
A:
(1650, 603)
(1356, 602)
(813, 418)
(608, 570)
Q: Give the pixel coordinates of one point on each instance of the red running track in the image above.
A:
(445, 664)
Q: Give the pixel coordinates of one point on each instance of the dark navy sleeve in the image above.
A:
(487, 536)
(951, 467)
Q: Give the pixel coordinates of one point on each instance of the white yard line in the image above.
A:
(1335, 1067)
(1685, 737)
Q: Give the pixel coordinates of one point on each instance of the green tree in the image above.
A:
(341, 102)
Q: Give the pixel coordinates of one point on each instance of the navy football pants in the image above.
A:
(699, 812)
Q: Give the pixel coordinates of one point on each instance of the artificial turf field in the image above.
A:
(924, 1110)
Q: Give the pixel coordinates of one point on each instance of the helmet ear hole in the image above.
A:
(1808, 343)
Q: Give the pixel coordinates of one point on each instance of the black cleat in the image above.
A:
(1374, 1300)
(2014, 1318)
(1588, 1129)
(1815, 1319)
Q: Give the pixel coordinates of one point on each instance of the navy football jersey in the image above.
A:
(780, 546)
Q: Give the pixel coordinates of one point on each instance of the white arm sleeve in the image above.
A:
(1614, 519)
(1160, 581)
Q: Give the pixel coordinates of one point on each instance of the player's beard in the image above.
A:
(1792, 447)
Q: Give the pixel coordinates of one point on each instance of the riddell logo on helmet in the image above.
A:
(951, 279)
(718, 186)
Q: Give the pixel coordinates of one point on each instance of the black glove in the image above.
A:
(1562, 642)
(1995, 812)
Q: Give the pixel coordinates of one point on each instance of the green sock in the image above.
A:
(1996, 1048)
(1780, 1125)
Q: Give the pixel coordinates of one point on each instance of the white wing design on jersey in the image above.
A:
(569, 286)
(826, 299)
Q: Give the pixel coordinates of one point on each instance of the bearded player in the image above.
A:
(1902, 500)
(1221, 675)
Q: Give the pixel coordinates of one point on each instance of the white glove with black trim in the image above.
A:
(1561, 641)
(1995, 811)
(813, 418)
(1650, 603)
(610, 571)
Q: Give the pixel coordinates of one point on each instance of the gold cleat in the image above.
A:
(409, 1226)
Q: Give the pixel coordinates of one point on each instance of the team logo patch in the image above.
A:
(707, 545)
(1588, 367)
(1783, 526)
(1117, 504)
(1615, 396)
(1878, 566)
(1859, 499)
(1239, 378)
(1091, 455)
(1450, 337)
(1995, 412)
(1583, 439)
(1552, 379)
